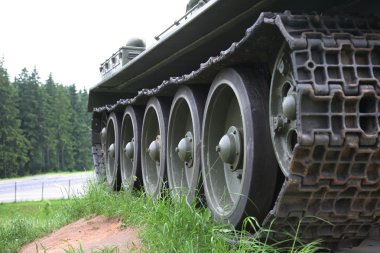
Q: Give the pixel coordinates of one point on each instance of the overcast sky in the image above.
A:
(70, 38)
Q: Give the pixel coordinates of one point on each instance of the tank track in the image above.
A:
(98, 158)
(332, 191)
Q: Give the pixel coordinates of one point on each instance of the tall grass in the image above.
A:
(168, 225)
(163, 225)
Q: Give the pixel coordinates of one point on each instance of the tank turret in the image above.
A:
(125, 54)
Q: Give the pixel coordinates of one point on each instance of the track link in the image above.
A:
(332, 191)
(98, 158)
(333, 185)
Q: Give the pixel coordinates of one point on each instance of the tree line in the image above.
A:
(44, 126)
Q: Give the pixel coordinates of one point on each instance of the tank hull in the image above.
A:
(328, 185)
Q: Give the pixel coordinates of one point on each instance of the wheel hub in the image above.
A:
(129, 149)
(111, 150)
(289, 106)
(154, 149)
(229, 148)
(185, 149)
(103, 135)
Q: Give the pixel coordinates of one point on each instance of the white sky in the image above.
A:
(70, 38)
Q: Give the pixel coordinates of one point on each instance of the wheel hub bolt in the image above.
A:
(154, 150)
(278, 122)
(129, 149)
(185, 149)
(282, 67)
(289, 107)
(111, 150)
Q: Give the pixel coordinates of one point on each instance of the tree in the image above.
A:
(80, 130)
(64, 136)
(13, 145)
(31, 103)
(51, 125)
(43, 127)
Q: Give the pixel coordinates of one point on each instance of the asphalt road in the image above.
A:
(54, 186)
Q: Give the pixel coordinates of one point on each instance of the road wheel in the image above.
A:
(238, 164)
(153, 145)
(184, 142)
(112, 152)
(130, 160)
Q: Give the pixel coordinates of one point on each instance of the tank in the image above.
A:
(269, 108)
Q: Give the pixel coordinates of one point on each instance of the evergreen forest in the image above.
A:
(44, 126)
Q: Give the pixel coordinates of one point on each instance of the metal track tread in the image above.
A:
(369, 245)
(333, 188)
(98, 157)
(332, 191)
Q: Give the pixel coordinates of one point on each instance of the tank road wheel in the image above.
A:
(283, 110)
(130, 159)
(238, 165)
(153, 146)
(112, 152)
(184, 135)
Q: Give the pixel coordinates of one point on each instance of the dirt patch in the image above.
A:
(92, 234)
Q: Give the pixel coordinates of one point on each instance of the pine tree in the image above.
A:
(51, 125)
(86, 127)
(43, 127)
(80, 130)
(13, 145)
(30, 103)
(64, 136)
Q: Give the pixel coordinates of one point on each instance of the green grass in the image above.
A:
(164, 225)
(101, 250)
(175, 226)
(22, 222)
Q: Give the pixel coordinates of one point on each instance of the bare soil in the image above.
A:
(92, 234)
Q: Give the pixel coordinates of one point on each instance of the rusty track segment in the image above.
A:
(332, 191)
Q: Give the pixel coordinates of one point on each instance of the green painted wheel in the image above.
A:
(112, 152)
(283, 110)
(130, 159)
(184, 141)
(238, 165)
(153, 145)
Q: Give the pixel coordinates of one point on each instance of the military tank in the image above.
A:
(271, 108)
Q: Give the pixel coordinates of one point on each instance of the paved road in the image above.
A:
(55, 186)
